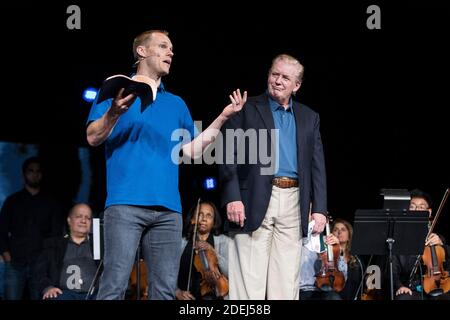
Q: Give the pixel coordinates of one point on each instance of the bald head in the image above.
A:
(80, 208)
(79, 221)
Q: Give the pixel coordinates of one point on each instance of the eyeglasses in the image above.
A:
(421, 207)
(208, 216)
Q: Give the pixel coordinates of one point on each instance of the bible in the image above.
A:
(143, 87)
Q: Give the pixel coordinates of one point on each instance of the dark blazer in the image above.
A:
(354, 274)
(50, 262)
(244, 182)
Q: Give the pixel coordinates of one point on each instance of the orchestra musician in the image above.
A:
(409, 286)
(341, 235)
(208, 239)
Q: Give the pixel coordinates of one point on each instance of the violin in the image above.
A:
(205, 261)
(330, 278)
(212, 282)
(139, 290)
(372, 294)
(435, 277)
(436, 280)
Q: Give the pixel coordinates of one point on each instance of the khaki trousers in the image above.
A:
(266, 263)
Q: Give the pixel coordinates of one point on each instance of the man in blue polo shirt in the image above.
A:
(142, 178)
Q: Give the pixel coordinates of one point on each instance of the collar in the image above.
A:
(274, 106)
(161, 88)
(69, 239)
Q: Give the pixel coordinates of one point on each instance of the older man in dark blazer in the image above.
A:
(272, 178)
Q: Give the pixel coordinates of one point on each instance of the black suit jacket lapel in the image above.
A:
(263, 107)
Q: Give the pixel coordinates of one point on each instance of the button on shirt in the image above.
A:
(284, 121)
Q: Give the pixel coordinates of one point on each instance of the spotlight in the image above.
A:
(90, 94)
(210, 183)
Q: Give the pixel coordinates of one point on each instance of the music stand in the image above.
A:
(381, 232)
(97, 252)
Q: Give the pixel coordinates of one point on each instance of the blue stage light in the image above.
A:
(89, 94)
(210, 183)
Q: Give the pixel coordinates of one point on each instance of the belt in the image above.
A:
(285, 182)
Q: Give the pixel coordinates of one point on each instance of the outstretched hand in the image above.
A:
(237, 102)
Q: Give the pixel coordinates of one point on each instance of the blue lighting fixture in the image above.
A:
(89, 94)
(210, 183)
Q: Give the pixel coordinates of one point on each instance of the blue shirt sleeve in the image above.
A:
(98, 110)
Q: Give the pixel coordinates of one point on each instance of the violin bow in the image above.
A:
(197, 210)
(441, 205)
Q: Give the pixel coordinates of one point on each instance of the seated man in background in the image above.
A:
(66, 267)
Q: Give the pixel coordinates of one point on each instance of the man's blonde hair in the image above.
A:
(143, 39)
(291, 60)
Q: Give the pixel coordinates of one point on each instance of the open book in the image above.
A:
(144, 87)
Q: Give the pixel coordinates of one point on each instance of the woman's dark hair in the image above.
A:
(189, 228)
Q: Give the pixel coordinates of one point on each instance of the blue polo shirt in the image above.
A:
(139, 151)
(284, 120)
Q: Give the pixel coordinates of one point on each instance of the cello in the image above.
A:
(330, 278)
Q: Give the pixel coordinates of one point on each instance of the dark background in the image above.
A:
(382, 94)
